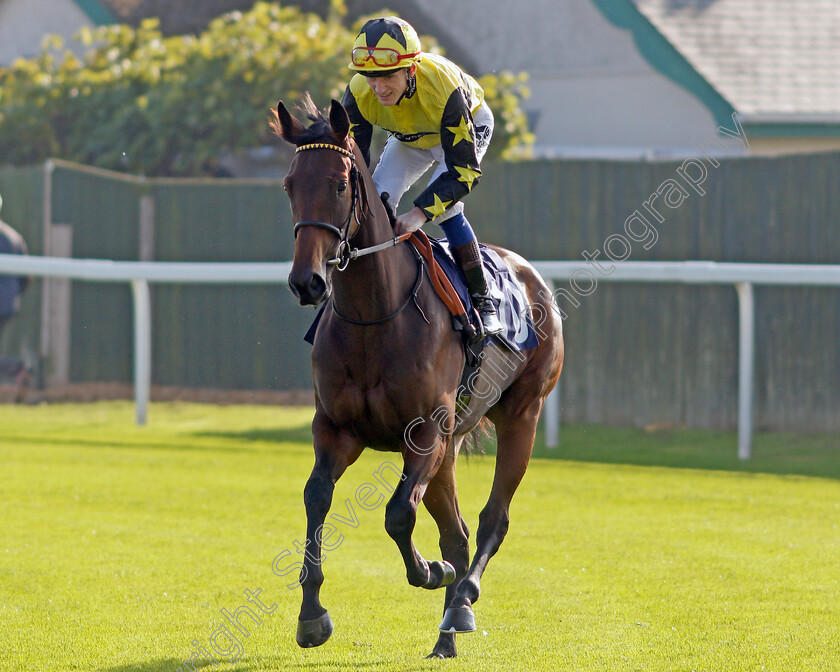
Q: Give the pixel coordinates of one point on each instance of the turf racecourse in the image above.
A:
(121, 549)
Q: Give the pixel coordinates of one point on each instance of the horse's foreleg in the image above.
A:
(515, 437)
(441, 499)
(401, 515)
(333, 454)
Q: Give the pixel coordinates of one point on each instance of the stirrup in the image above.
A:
(486, 309)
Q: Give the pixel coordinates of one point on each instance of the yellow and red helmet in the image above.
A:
(384, 45)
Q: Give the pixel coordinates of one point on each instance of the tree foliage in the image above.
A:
(143, 103)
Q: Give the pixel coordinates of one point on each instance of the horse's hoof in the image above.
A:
(441, 574)
(458, 619)
(314, 632)
(434, 655)
(445, 647)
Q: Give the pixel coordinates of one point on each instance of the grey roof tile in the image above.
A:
(766, 57)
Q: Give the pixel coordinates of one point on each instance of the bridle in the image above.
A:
(343, 231)
(358, 204)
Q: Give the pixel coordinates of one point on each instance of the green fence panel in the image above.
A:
(227, 337)
(643, 354)
(103, 210)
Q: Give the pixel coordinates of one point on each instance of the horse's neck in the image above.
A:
(374, 285)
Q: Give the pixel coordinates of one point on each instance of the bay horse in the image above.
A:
(386, 367)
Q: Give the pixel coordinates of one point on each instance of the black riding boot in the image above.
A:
(469, 259)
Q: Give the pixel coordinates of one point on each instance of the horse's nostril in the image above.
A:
(294, 284)
(309, 288)
(293, 288)
(317, 286)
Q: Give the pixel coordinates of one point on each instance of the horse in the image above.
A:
(386, 367)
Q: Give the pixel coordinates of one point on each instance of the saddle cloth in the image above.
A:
(513, 309)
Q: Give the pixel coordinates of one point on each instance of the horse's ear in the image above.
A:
(285, 125)
(339, 121)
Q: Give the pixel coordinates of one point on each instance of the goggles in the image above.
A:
(384, 57)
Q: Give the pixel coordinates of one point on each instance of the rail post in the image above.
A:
(746, 367)
(142, 348)
(551, 412)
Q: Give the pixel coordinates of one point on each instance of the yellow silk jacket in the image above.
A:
(437, 110)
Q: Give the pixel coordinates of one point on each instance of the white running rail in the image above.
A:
(742, 276)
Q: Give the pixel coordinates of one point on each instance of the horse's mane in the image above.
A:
(320, 129)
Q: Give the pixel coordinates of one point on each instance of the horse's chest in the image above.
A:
(372, 411)
(376, 386)
(377, 404)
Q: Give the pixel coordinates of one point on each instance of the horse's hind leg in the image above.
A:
(515, 435)
(441, 499)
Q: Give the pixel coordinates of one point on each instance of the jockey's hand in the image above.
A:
(410, 221)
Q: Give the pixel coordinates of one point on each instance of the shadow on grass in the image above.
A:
(166, 665)
(813, 455)
(77, 442)
(227, 442)
(298, 434)
(302, 663)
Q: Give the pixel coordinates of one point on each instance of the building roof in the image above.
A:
(774, 61)
(98, 12)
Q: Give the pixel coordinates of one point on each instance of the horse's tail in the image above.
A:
(477, 439)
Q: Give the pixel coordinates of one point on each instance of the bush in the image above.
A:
(143, 103)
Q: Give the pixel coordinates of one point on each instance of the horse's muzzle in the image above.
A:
(309, 288)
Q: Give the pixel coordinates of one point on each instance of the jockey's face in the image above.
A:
(390, 88)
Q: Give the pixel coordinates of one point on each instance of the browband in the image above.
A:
(325, 145)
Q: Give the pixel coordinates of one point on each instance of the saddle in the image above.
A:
(472, 341)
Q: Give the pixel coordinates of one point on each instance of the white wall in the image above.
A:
(25, 23)
(620, 115)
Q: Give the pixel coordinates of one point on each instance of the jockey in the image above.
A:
(433, 112)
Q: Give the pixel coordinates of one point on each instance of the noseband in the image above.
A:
(342, 231)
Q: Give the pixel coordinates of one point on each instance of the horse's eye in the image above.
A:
(342, 186)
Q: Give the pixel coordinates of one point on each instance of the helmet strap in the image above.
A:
(411, 87)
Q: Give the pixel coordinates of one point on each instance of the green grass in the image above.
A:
(120, 545)
(802, 454)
